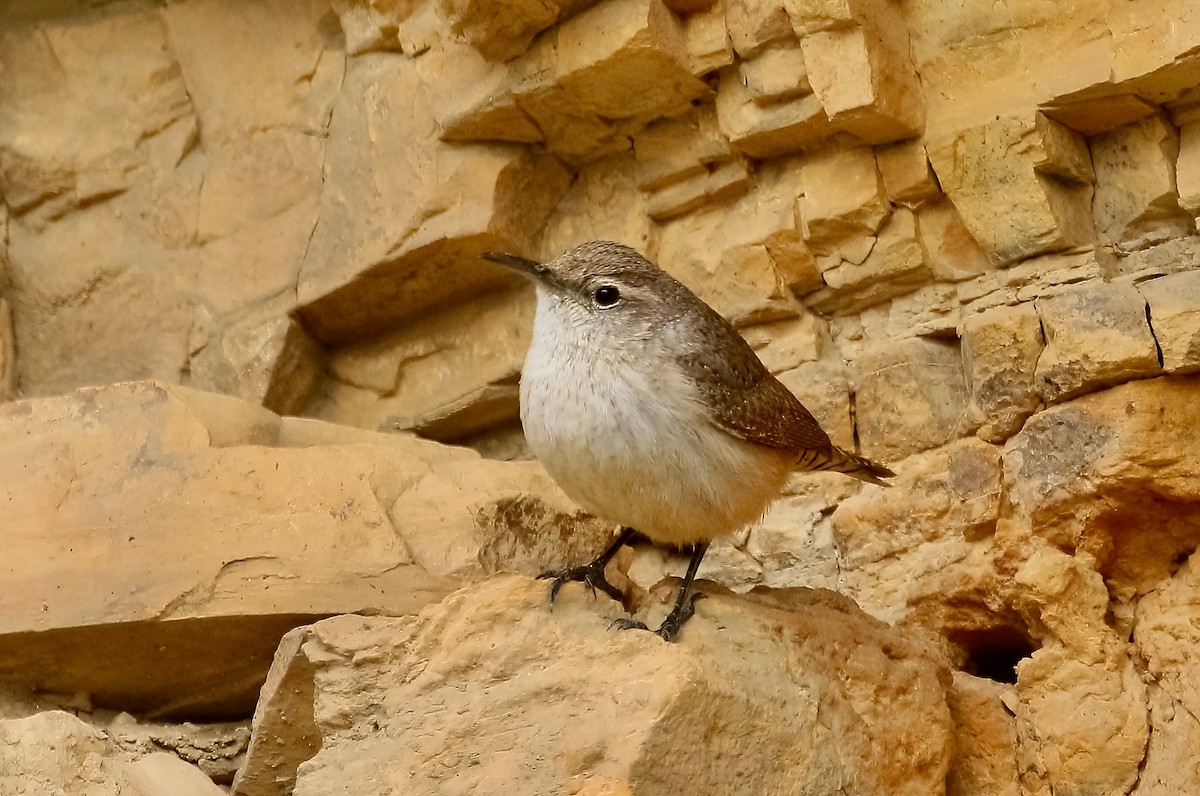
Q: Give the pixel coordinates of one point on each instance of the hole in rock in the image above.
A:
(994, 652)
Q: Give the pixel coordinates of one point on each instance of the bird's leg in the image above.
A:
(592, 574)
(685, 604)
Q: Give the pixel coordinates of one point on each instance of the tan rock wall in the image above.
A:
(964, 234)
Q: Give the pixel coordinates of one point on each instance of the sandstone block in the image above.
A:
(776, 74)
(948, 247)
(1096, 335)
(405, 217)
(743, 283)
(1137, 200)
(208, 527)
(894, 266)
(905, 171)
(783, 345)
(257, 67)
(420, 682)
(672, 150)
(864, 77)
(1187, 168)
(910, 395)
(991, 165)
(824, 389)
(702, 249)
(1113, 473)
(603, 203)
(500, 31)
(1174, 306)
(985, 761)
(950, 499)
(707, 40)
(128, 107)
(1061, 152)
(767, 131)
(627, 59)
(724, 182)
(1001, 348)
(400, 379)
(164, 774)
(754, 26)
(843, 197)
(269, 361)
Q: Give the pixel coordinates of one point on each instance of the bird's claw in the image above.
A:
(683, 611)
(590, 575)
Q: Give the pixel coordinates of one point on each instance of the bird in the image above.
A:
(650, 411)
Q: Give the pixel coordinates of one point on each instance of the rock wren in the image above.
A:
(649, 410)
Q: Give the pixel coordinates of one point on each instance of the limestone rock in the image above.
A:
(1187, 168)
(406, 378)
(707, 40)
(910, 397)
(949, 500)
(676, 149)
(270, 361)
(1083, 670)
(864, 77)
(905, 171)
(163, 773)
(1165, 634)
(603, 203)
(893, 266)
(948, 247)
(1001, 348)
(1137, 198)
(767, 131)
(500, 32)
(1096, 334)
(824, 389)
(1173, 303)
(1172, 764)
(1114, 474)
(843, 197)
(994, 164)
(56, 753)
(985, 742)
(182, 606)
(404, 219)
(465, 668)
(776, 74)
(754, 26)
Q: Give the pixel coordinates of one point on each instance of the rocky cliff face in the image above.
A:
(255, 376)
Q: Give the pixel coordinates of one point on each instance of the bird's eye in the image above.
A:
(607, 295)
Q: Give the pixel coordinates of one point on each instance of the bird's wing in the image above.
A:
(742, 396)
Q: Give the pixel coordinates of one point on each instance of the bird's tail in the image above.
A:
(840, 461)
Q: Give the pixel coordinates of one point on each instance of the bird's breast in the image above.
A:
(623, 433)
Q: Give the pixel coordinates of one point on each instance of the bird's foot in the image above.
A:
(590, 575)
(683, 611)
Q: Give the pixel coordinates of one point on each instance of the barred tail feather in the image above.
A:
(841, 461)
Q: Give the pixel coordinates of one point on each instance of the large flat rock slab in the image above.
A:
(493, 691)
(160, 541)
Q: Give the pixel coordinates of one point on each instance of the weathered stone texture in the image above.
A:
(962, 234)
(419, 689)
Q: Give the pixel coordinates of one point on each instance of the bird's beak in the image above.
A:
(527, 268)
(532, 270)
